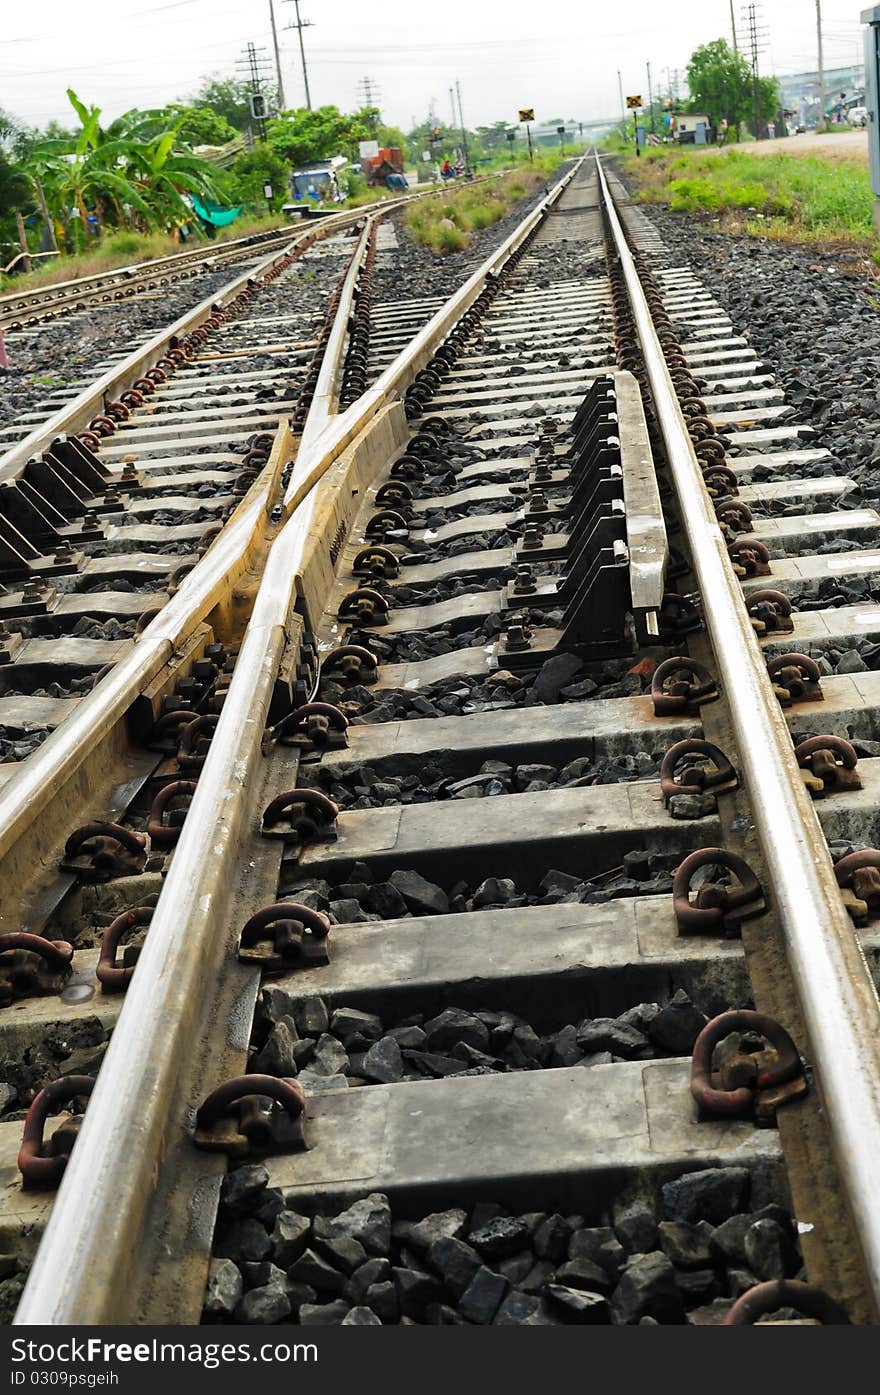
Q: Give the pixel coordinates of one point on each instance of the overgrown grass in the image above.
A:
(811, 197)
(128, 248)
(446, 224)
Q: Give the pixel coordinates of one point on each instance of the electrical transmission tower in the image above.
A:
(756, 44)
(368, 96)
(254, 65)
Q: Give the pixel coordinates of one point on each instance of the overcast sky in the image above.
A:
(561, 58)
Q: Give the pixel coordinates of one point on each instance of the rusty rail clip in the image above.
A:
(357, 664)
(195, 741)
(795, 678)
(165, 735)
(734, 516)
(310, 815)
(717, 909)
(285, 936)
(98, 852)
(769, 1297)
(316, 726)
(365, 606)
(858, 876)
(32, 966)
(376, 560)
(165, 835)
(678, 615)
(828, 765)
(42, 1165)
(696, 779)
(769, 611)
(681, 696)
(749, 557)
(384, 522)
(238, 1119)
(394, 492)
(113, 977)
(756, 1083)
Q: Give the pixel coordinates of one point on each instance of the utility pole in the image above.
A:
(733, 28)
(622, 104)
(464, 141)
(299, 25)
(282, 103)
(651, 102)
(820, 119)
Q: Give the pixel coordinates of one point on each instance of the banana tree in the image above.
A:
(117, 172)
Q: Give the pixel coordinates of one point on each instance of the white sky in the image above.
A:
(562, 58)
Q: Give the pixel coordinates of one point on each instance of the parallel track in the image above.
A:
(546, 895)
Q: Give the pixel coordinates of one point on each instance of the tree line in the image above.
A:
(72, 183)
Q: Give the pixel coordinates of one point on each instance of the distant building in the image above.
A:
(844, 88)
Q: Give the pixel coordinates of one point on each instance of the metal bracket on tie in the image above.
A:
(769, 612)
(32, 966)
(113, 977)
(353, 661)
(858, 876)
(769, 1297)
(285, 936)
(748, 1082)
(252, 1114)
(376, 561)
(98, 852)
(719, 908)
(165, 835)
(795, 679)
(749, 557)
(828, 765)
(299, 817)
(680, 685)
(315, 727)
(696, 779)
(384, 522)
(195, 741)
(364, 606)
(42, 1165)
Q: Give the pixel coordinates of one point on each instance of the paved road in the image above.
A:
(847, 144)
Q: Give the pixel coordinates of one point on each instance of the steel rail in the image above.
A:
(60, 295)
(837, 996)
(50, 295)
(76, 414)
(83, 1261)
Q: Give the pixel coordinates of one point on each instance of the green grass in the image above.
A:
(124, 248)
(446, 224)
(802, 197)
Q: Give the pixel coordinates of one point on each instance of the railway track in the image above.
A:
(42, 304)
(423, 966)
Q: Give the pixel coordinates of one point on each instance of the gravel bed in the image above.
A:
(338, 1048)
(355, 896)
(354, 786)
(561, 678)
(411, 271)
(679, 1257)
(55, 356)
(816, 326)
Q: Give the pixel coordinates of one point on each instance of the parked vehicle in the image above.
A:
(857, 116)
